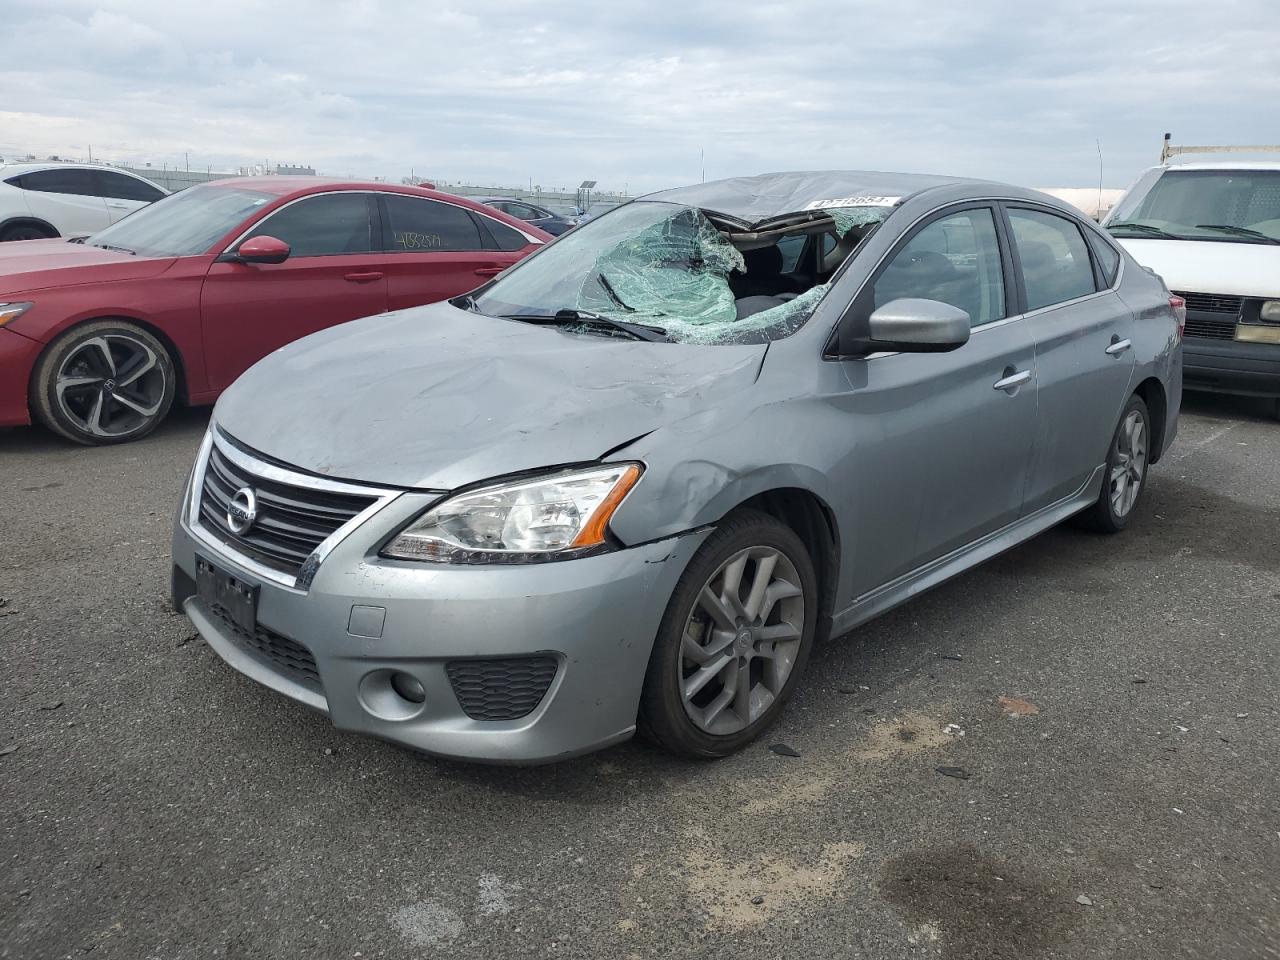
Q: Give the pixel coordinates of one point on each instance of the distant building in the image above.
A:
(285, 170)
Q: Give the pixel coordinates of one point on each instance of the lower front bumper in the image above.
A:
(17, 356)
(597, 616)
(1227, 366)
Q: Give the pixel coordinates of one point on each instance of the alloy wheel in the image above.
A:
(110, 385)
(1130, 464)
(741, 640)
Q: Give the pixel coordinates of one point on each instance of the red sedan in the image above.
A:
(98, 338)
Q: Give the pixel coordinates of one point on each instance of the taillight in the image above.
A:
(1179, 307)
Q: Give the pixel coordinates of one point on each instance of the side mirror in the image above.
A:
(910, 325)
(262, 249)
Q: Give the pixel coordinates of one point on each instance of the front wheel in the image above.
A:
(26, 231)
(733, 641)
(103, 382)
(1126, 471)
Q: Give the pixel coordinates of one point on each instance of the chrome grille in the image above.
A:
(292, 521)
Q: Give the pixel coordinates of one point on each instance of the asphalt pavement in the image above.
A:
(1073, 751)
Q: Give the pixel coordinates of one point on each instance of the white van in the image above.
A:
(1212, 231)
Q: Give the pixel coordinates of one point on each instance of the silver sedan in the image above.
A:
(628, 484)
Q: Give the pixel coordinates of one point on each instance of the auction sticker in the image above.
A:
(852, 202)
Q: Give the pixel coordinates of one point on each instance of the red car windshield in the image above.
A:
(183, 224)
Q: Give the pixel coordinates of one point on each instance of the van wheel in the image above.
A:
(734, 639)
(1128, 461)
(103, 382)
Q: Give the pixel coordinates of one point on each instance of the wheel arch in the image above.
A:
(813, 520)
(179, 361)
(28, 220)
(1152, 392)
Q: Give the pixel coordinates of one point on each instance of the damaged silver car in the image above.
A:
(629, 483)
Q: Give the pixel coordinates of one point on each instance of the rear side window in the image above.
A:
(80, 183)
(326, 225)
(504, 238)
(1108, 258)
(1055, 260)
(122, 187)
(418, 225)
(955, 259)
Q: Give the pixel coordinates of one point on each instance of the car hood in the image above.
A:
(437, 397)
(38, 264)
(1207, 266)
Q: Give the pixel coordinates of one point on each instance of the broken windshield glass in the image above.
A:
(668, 266)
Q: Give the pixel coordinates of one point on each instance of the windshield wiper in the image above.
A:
(1142, 228)
(1237, 231)
(637, 331)
(112, 246)
(613, 294)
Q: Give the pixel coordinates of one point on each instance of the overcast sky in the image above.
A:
(556, 92)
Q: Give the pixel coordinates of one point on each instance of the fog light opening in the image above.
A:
(408, 687)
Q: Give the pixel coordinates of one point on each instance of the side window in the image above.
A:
(525, 212)
(121, 187)
(1055, 260)
(81, 183)
(791, 248)
(504, 238)
(322, 226)
(955, 259)
(1108, 257)
(416, 224)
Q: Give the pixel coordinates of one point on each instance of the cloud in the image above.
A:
(507, 92)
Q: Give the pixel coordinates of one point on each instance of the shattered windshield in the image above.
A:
(667, 266)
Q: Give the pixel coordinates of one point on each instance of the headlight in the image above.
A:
(1270, 311)
(548, 518)
(12, 311)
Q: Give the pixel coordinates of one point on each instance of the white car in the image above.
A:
(1212, 231)
(39, 200)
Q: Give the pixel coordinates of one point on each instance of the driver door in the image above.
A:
(953, 432)
(332, 275)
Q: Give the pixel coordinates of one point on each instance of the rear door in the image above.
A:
(433, 250)
(332, 276)
(956, 429)
(69, 198)
(1084, 361)
(125, 194)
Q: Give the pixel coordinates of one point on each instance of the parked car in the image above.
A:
(1212, 231)
(596, 210)
(42, 200)
(631, 482)
(98, 338)
(542, 218)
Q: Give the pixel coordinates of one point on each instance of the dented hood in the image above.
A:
(436, 397)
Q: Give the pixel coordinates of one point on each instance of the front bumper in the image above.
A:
(1229, 366)
(18, 355)
(597, 616)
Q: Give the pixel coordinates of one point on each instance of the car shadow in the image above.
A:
(1226, 406)
(37, 440)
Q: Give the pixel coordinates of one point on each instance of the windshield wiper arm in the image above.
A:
(613, 294)
(112, 246)
(637, 331)
(1141, 228)
(1238, 231)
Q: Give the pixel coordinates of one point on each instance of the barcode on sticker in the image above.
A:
(852, 202)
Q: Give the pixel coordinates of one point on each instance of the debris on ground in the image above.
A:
(5, 751)
(1018, 707)
(953, 730)
(1139, 679)
(960, 773)
(1084, 901)
(757, 900)
(54, 705)
(783, 750)
(950, 656)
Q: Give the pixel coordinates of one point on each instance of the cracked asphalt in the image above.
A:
(1109, 708)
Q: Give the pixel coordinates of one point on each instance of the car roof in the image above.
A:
(1225, 165)
(754, 199)
(34, 166)
(282, 186)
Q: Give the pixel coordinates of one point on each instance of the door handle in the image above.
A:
(1011, 381)
(118, 206)
(1118, 347)
(489, 271)
(367, 277)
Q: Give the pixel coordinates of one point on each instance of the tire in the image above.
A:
(1121, 490)
(26, 231)
(774, 659)
(103, 382)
